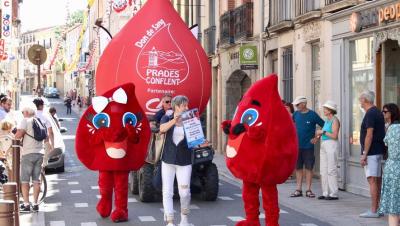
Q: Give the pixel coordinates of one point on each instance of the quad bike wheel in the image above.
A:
(134, 182)
(146, 189)
(210, 185)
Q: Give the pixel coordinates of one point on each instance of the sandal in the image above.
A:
(297, 193)
(310, 194)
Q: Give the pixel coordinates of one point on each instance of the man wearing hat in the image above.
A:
(306, 121)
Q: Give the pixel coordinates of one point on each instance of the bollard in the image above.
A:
(10, 192)
(7, 213)
(16, 158)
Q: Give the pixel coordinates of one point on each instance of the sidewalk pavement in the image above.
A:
(343, 212)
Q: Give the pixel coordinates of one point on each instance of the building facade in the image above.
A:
(366, 53)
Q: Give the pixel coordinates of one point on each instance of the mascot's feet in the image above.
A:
(248, 223)
(119, 215)
(104, 207)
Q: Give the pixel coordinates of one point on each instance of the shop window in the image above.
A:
(362, 79)
(391, 90)
(287, 77)
(315, 76)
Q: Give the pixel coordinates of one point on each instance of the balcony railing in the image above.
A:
(328, 2)
(337, 5)
(209, 40)
(243, 21)
(306, 6)
(226, 28)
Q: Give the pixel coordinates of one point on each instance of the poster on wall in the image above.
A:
(192, 127)
(158, 53)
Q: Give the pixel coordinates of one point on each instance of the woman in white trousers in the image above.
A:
(328, 152)
(176, 160)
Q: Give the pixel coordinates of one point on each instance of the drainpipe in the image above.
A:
(260, 41)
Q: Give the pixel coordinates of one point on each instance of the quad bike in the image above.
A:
(204, 180)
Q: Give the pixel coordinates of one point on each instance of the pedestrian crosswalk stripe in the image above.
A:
(57, 223)
(146, 218)
(225, 198)
(282, 211)
(95, 187)
(81, 205)
(76, 191)
(308, 224)
(162, 210)
(73, 183)
(88, 224)
(98, 196)
(238, 195)
(132, 200)
(235, 218)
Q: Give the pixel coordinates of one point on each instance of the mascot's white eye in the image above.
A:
(249, 116)
(129, 118)
(101, 120)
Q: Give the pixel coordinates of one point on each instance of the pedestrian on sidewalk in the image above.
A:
(79, 101)
(31, 160)
(390, 200)
(289, 107)
(176, 160)
(5, 106)
(391, 114)
(68, 104)
(372, 134)
(44, 118)
(53, 114)
(306, 121)
(329, 135)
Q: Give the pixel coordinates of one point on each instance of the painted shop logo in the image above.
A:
(389, 13)
(161, 61)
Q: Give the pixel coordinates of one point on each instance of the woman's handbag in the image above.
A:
(159, 146)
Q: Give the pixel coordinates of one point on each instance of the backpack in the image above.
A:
(39, 130)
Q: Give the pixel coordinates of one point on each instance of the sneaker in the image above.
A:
(35, 208)
(24, 208)
(369, 214)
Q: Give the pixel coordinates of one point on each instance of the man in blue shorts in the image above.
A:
(306, 121)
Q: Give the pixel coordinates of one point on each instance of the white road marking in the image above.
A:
(282, 211)
(57, 223)
(235, 218)
(76, 191)
(238, 195)
(132, 200)
(220, 184)
(162, 210)
(98, 196)
(81, 205)
(146, 218)
(73, 183)
(88, 224)
(95, 187)
(308, 224)
(225, 198)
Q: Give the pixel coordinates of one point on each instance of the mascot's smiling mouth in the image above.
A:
(116, 150)
(233, 146)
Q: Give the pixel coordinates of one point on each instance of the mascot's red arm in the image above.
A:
(261, 149)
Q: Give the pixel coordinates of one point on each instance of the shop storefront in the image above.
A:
(366, 55)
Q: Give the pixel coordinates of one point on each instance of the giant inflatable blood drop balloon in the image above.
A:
(156, 51)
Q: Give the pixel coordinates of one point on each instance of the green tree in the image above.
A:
(75, 17)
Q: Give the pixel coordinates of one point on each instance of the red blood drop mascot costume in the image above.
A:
(261, 149)
(112, 137)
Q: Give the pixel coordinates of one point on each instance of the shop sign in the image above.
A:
(248, 57)
(389, 13)
(6, 19)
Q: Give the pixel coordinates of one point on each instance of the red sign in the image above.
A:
(3, 53)
(158, 53)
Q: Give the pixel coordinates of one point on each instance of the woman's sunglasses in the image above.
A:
(167, 102)
(384, 112)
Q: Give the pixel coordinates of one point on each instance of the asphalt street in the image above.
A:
(73, 195)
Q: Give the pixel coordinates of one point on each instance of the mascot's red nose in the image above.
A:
(116, 150)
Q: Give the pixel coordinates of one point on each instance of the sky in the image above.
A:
(45, 13)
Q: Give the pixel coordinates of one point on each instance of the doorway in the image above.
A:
(391, 72)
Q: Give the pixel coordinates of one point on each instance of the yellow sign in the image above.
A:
(389, 13)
